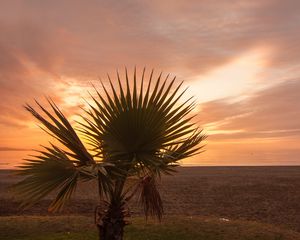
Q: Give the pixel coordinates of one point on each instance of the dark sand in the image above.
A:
(263, 194)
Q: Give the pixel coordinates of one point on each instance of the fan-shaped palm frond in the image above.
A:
(54, 168)
(50, 170)
(59, 127)
(142, 129)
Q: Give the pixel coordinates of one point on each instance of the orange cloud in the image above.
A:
(58, 49)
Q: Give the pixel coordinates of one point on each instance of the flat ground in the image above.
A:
(172, 228)
(266, 195)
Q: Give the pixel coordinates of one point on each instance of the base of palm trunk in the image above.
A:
(111, 230)
(111, 224)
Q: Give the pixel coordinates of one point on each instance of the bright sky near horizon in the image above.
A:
(241, 60)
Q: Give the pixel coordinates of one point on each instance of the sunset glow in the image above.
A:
(241, 61)
(236, 79)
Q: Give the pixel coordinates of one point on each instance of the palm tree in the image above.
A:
(131, 137)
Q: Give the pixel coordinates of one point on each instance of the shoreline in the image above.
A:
(209, 166)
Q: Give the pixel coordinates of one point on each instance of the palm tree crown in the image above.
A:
(137, 130)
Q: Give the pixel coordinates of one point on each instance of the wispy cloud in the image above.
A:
(241, 59)
(4, 149)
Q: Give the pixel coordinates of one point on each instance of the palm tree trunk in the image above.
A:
(110, 222)
(112, 225)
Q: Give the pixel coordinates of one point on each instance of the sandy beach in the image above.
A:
(262, 194)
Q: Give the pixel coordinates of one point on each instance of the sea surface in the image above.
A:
(13, 159)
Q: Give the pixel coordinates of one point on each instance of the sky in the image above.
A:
(240, 59)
